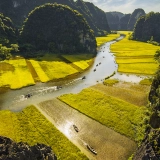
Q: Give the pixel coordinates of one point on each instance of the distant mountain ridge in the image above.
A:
(18, 11)
(120, 21)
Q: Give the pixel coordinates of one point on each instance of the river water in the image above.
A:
(104, 65)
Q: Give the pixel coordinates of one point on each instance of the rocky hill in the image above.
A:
(150, 146)
(120, 21)
(18, 11)
(64, 31)
(10, 150)
(147, 28)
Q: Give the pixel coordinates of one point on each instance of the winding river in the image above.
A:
(109, 144)
(104, 64)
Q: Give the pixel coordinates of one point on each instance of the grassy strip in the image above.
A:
(117, 114)
(146, 82)
(109, 37)
(110, 82)
(32, 127)
(138, 56)
(40, 72)
(80, 60)
(15, 74)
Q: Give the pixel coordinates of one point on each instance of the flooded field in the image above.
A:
(109, 144)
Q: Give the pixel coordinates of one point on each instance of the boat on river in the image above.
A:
(91, 149)
(75, 128)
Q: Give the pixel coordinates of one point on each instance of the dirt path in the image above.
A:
(109, 144)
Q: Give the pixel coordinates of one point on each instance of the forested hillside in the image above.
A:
(64, 31)
(7, 31)
(120, 21)
(147, 28)
(18, 10)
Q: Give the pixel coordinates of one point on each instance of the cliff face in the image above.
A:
(18, 10)
(147, 28)
(120, 21)
(137, 13)
(64, 31)
(150, 146)
(22, 151)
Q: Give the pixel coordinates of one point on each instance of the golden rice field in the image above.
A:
(32, 127)
(134, 56)
(132, 93)
(115, 113)
(15, 74)
(109, 37)
(19, 73)
(83, 61)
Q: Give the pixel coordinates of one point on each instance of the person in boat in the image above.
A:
(83, 77)
(59, 87)
(28, 95)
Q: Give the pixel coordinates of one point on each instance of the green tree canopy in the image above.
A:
(148, 28)
(58, 28)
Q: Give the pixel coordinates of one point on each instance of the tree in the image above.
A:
(64, 30)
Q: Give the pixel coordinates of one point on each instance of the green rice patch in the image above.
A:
(110, 82)
(146, 82)
(119, 115)
(32, 127)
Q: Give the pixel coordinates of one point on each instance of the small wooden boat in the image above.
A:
(94, 70)
(75, 128)
(84, 77)
(28, 95)
(59, 87)
(91, 149)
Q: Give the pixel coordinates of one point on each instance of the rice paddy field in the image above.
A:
(112, 111)
(15, 74)
(18, 73)
(32, 127)
(107, 38)
(83, 61)
(134, 56)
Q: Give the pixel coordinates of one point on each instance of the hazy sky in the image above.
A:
(127, 6)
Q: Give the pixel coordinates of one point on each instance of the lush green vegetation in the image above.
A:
(7, 31)
(147, 28)
(83, 61)
(107, 38)
(115, 113)
(32, 127)
(137, 13)
(123, 22)
(64, 31)
(95, 17)
(135, 57)
(110, 82)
